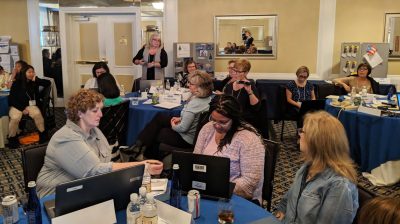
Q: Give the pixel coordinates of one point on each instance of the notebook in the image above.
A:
(82, 193)
(207, 174)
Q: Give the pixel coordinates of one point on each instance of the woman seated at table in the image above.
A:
(19, 65)
(24, 99)
(299, 90)
(79, 149)
(108, 87)
(98, 69)
(153, 59)
(324, 188)
(245, 92)
(228, 135)
(177, 131)
(358, 81)
(190, 67)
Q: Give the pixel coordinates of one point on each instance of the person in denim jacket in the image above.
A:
(324, 189)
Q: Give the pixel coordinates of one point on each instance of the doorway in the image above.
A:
(90, 35)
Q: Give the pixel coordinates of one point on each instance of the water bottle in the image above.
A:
(122, 90)
(149, 211)
(353, 94)
(146, 182)
(133, 209)
(390, 94)
(34, 212)
(167, 85)
(176, 193)
(142, 197)
(364, 95)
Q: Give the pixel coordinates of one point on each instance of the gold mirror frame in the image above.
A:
(392, 35)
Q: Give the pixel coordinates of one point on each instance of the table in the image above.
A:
(374, 143)
(140, 115)
(245, 211)
(3, 119)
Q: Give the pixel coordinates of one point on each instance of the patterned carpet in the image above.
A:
(11, 175)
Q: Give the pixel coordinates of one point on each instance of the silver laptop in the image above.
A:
(146, 84)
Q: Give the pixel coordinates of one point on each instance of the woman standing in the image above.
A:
(79, 149)
(324, 189)
(24, 99)
(153, 58)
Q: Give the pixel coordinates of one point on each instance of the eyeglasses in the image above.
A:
(220, 123)
(237, 71)
(363, 69)
(300, 131)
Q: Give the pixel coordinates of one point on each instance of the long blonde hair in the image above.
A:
(327, 145)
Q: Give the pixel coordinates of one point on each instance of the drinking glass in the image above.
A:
(225, 211)
(135, 100)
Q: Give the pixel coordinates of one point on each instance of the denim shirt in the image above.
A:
(326, 198)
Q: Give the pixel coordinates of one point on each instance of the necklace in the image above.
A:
(237, 96)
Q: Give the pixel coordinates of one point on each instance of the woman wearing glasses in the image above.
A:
(153, 59)
(244, 91)
(176, 131)
(228, 135)
(324, 188)
(300, 90)
(358, 81)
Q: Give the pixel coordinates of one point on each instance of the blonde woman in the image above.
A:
(153, 58)
(324, 188)
(177, 131)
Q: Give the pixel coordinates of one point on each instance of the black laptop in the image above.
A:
(311, 105)
(82, 193)
(398, 100)
(207, 174)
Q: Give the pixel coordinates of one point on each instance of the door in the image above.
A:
(99, 36)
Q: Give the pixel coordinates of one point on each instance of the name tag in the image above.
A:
(200, 168)
(199, 185)
(32, 102)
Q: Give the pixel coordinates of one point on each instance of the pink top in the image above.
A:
(246, 153)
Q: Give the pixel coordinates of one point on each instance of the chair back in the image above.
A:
(32, 162)
(271, 154)
(203, 119)
(364, 196)
(114, 122)
(47, 108)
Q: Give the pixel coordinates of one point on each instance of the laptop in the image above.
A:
(311, 105)
(82, 193)
(146, 84)
(207, 174)
(398, 100)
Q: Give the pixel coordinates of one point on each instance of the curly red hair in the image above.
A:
(83, 100)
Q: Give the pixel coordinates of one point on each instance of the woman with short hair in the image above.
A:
(358, 81)
(79, 149)
(324, 188)
(177, 131)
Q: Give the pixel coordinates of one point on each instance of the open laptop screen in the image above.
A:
(398, 99)
(207, 174)
(81, 193)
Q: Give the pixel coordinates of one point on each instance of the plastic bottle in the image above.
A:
(34, 213)
(353, 94)
(142, 196)
(146, 182)
(122, 90)
(176, 192)
(149, 211)
(364, 95)
(389, 95)
(167, 85)
(133, 209)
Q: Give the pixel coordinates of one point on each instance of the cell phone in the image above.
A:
(244, 82)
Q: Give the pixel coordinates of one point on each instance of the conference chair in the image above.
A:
(32, 162)
(284, 109)
(271, 154)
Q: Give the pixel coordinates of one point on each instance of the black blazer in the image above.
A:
(20, 94)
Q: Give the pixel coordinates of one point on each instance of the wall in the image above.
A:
(362, 21)
(297, 29)
(14, 23)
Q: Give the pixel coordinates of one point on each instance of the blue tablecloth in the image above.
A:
(3, 106)
(373, 140)
(140, 115)
(244, 210)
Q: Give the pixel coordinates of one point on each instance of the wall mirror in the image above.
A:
(392, 35)
(249, 35)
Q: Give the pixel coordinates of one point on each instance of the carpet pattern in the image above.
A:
(11, 175)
